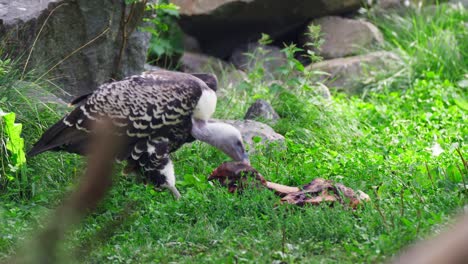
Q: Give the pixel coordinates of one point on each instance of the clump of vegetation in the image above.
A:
(402, 144)
(29, 117)
(15, 169)
(166, 44)
(429, 40)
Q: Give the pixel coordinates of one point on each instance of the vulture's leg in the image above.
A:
(153, 157)
(167, 171)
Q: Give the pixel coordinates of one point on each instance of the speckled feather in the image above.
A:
(141, 105)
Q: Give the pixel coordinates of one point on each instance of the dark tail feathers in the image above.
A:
(57, 137)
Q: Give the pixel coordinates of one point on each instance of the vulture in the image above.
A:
(154, 114)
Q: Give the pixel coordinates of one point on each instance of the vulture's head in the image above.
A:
(230, 142)
(223, 136)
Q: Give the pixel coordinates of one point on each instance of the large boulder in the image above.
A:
(461, 2)
(228, 75)
(268, 57)
(348, 74)
(197, 62)
(191, 44)
(78, 43)
(221, 25)
(345, 37)
(389, 4)
(12, 12)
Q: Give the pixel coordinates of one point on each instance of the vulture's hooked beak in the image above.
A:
(239, 153)
(245, 158)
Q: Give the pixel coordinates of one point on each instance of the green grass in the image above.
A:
(429, 39)
(380, 143)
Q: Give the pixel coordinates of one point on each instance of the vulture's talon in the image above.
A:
(174, 192)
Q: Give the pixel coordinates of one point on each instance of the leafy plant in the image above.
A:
(428, 39)
(315, 42)
(4, 67)
(166, 35)
(7, 72)
(14, 144)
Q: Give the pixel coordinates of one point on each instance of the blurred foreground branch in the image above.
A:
(450, 247)
(91, 190)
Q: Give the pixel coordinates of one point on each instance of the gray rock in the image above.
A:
(345, 37)
(461, 2)
(251, 130)
(262, 110)
(228, 79)
(323, 91)
(227, 74)
(196, 62)
(13, 12)
(191, 44)
(348, 74)
(222, 25)
(270, 58)
(385, 7)
(149, 67)
(389, 4)
(80, 43)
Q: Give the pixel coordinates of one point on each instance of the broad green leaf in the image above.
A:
(15, 143)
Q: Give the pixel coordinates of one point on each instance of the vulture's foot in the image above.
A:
(174, 192)
(172, 189)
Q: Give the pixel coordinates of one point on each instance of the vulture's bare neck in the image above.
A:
(212, 133)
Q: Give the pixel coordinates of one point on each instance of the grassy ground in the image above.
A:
(384, 144)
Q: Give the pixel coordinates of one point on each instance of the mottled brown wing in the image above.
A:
(139, 106)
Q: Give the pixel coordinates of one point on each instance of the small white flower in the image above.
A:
(436, 149)
(455, 145)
